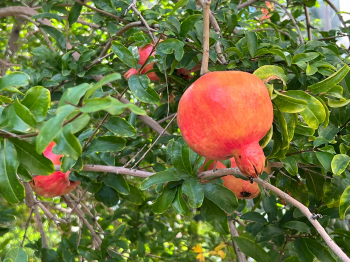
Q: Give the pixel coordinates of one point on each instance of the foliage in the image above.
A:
(62, 81)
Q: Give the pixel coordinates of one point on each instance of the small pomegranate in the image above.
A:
(57, 183)
(144, 52)
(241, 188)
(224, 115)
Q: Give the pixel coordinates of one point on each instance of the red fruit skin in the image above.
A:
(53, 157)
(241, 188)
(144, 52)
(56, 184)
(224, 114)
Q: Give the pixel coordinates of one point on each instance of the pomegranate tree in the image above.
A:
(224, 115)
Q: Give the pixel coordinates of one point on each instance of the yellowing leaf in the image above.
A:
(198, 249)
(213, 253)
(221, 246)
(221, 254)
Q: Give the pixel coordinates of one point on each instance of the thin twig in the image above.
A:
(206, 31)
(41, 228)
(166, 118)
(49, 214)
(155, 141)
(134, 8)
(77, 203)
(27, 225)
(281, 254)
(291, 18)
(234, 233)
(94, 133)
(308, 23)
(136, 155)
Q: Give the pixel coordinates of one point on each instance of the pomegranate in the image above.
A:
(187, 73)
(224, 115)
(144, 52)
(241, 188)
(55, 184)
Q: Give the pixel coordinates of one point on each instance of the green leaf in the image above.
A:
(314, 114)
(325, 159)
(215, 216)
(267, 71)
(136, 197)
(251, 249)
(253, 216)
(252, 42)
(337, 103)
(35, 163)
(334, 190)
(188, 24)
(299, 226)
(159, 178)
(10, 188)
(303, 252)
(289, 104)
(48, 15)
(124, 54)
(57, 35)
(14, 79)
(120, 127)
(73, 95)
(315, 184)
(164, 200)
(67, 143)
(179, 203)
(221, 196)
(194, 191)
(108, 195)
(106, 144)
(270, 207)
(170, 46)
(14, 121)
(37, 100)
(179, 4)
(96, 104)
(107, 79)
(267, 233)
(290, 165)
(17, 254)
(339, 163)
(331, 81)
(74, 13)
(180, 159)
(344, 204)
(284, 55)
(320, 251)
(304, 57)
(79, 123)
(139, 86)
(52, 127)
(24, 114)
(117, 182)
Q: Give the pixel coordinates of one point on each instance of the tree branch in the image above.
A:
(229, 171)
(206, 31)
(291, 18)
(234, 233)
(308, 23)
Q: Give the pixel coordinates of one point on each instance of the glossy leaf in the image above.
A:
(158, 178)
(10, 187)
(221, 196)
(252, 42)
(107, 79)
(194, 191)
(136, 197)
(188, 24)
(339, 163)
(73, 95)
(120, 127)
(106, 144)
(67, 143)
(179, 203)
(139, 86)
(289, 104)
(164, 200)
(290, 165)
(14, 79)
(16, 254)
(215, 216)
(35, 163)
(314, 114)
(328, 83)
(320, 251)
(299, 226)
(303, 252)
(37, 100)
(344, 204)
(268, 71)
(251, 249)
(124, 54)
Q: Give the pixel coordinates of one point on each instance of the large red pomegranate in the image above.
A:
(241, 188)
(144, 52)
(55, 184)
(225, 114)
